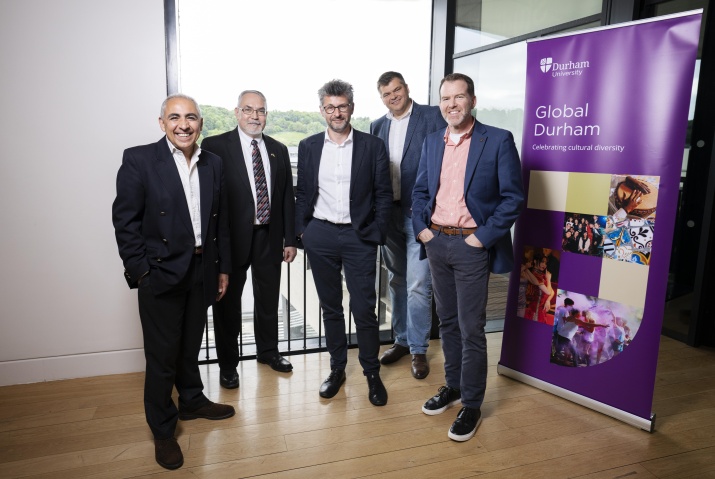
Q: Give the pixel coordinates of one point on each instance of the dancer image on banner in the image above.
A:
(537, 284)
(589, 331)
(628, 236)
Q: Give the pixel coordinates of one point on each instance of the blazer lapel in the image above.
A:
(357, 161)
(236, 152)
(273, 155)
(411, 127)
(384, 133)
(206, 182)
(475, 152)
(316, 152)
(436, 167)
(169, 177)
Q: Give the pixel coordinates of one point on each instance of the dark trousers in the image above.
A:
(460, 279)
(266, 277)
(332, 248)
(172, 325)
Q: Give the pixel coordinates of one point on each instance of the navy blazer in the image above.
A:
(370, 187)
(423, 121)
(493, 189)
(152, 223)
(241, 205)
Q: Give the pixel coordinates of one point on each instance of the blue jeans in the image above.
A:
(461, 277)
(410, 284)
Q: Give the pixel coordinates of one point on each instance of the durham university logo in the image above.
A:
(546, 64)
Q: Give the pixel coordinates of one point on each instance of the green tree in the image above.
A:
(290, 126)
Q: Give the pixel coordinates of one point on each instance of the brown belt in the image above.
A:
(452, 230)
(198, 250)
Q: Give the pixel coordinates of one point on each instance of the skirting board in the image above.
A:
(628, 418)
(71, 366)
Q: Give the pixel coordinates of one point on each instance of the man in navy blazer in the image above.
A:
(343, 203)
(262, 246)
(403, 129)
(467, 196)
(172, 233)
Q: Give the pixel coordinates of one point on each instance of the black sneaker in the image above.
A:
(466, 424)
(446, 397)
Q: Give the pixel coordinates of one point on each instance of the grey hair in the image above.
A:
(255, 92)
(336, 88)
(179, 95)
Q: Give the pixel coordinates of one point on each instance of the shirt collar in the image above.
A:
(465, 136)
(174, 150)
(349, 139)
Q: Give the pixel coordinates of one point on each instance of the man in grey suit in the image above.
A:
(342, 209)
(403, 129)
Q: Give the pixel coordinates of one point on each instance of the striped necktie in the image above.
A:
(263, 207)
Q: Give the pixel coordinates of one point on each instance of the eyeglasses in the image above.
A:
(248, 111)
(341, 108)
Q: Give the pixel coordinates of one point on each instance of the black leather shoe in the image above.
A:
(210, 410)
(277, 363)
(228, 379)
(376, 392)
(331, 385)
(167, 453)
(394, 353)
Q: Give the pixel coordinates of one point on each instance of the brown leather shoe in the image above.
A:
(168, 453)
(394, 353)
(420, 367)
(210, 410)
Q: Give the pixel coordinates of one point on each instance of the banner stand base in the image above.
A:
(628, 418)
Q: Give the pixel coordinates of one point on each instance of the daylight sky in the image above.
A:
(288, 49)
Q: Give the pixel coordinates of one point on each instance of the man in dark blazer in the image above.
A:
(467, 196)
(172, 233)
(256, 242)
(403, 129)
(343, 206)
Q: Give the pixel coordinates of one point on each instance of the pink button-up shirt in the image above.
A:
(450, 209)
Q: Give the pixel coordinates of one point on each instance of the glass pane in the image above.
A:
(500, 81)
(224, 48)
(482, 22)
(679, 296)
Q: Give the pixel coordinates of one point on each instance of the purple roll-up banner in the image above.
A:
(606, 114)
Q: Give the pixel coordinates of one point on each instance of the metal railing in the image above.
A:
(292, 319)
(309, 325)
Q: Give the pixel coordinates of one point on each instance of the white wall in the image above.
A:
(81, 81)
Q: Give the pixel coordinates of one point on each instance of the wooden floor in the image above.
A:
(95, 427)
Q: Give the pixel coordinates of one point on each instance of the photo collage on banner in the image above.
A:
(606, 224)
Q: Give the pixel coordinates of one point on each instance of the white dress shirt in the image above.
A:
(192, 190)
(333, 203)
(398, 134)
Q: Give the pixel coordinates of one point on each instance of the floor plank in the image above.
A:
(95, 427)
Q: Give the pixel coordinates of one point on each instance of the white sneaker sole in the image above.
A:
(434, 412)
(464, 437)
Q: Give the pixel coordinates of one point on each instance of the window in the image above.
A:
(288, 50)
